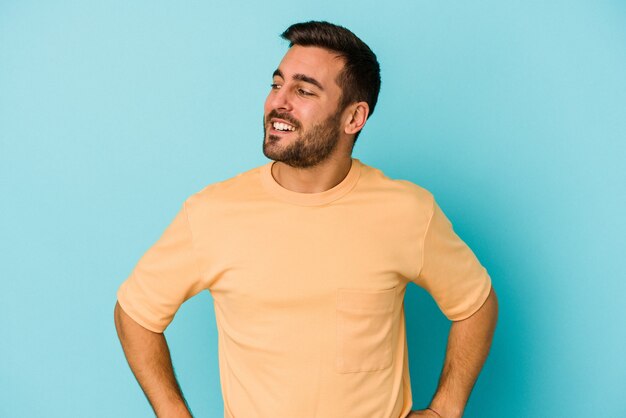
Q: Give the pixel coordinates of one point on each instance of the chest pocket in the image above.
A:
(364, 329)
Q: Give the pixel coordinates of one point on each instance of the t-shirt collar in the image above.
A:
(310, 199)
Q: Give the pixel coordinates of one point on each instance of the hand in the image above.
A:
(423, 413)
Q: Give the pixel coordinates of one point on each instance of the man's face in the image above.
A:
(302, 122)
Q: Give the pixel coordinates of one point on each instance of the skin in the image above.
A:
(309, 105)
(149, 358)
(322, 129)
(469, 342)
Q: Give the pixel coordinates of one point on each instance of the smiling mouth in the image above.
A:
(282, 127)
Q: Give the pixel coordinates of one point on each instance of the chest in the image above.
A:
(268, 258)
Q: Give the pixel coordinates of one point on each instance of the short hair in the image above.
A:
(360, 78)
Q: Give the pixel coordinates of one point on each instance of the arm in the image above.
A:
(469, 341)
(149, 358)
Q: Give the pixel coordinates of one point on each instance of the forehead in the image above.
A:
(312, 61)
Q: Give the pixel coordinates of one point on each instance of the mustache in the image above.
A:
(284, 116)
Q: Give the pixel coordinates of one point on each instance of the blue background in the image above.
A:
(512, 113)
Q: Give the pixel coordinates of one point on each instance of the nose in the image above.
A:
(279, 99)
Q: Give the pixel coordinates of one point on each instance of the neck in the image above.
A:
(320, 178)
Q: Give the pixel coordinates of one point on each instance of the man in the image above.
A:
(307, 259)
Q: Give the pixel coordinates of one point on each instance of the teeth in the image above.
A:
(283, 127)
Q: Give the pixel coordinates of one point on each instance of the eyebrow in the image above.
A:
(301, 77)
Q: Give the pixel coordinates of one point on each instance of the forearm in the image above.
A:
(149, 358)
(469, 342)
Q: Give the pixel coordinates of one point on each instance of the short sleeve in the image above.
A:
(165, 276)
(450, 271)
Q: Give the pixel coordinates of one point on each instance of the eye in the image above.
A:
(275, 86)
(304, 92)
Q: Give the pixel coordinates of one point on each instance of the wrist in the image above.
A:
(445, 409)
(435, 412)
(176, 410)
(175, 413)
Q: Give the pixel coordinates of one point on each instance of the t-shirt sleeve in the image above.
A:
(165, 276)
(450, 271)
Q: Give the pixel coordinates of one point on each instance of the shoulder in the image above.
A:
(239, 187)
(396, 191)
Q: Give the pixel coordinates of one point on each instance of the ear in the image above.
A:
(356, 117)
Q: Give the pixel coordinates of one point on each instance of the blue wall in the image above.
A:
(512, 113)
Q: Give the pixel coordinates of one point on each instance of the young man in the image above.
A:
(307, 259)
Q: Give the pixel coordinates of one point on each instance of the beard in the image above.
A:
(310, 148)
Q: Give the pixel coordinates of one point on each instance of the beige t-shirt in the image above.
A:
(308, 288)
